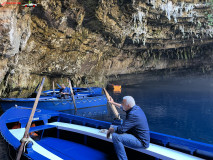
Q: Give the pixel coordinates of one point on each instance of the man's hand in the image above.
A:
(110, 131)
(111, 100)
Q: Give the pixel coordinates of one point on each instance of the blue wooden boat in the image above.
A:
(70, 137)
(84, 98)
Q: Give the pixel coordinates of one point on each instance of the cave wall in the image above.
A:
(99, 38)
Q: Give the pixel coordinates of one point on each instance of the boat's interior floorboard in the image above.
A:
(71, 150)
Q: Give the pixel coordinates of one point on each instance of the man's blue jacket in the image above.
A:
(135, 124)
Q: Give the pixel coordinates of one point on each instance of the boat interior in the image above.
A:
(64, 136)
(63, 139)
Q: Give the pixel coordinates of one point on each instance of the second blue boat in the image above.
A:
(86, 99)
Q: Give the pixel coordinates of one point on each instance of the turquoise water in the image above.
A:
(181, 107)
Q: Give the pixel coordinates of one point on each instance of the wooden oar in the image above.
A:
(58, 85)
(36, 87)
(112, 105)
(72, 95)
(53, 88)
(26, 133)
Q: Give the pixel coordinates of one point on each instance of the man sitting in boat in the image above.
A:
(65, 91)
(134, 132)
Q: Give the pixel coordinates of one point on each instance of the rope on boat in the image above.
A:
(89, 100)
(56, 103)
(64, 103)
(70, 102)
(24, 140)
(19, 107)
(79, 101)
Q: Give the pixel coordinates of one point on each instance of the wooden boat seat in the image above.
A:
(154, 150)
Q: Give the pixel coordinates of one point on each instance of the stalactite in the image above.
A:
(159, 55)
(181, 55)
(154, 56)
(185, 55)
(177, 54)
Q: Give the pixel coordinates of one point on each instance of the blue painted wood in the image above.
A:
(71, 150)
(84, 97)
(42, 127)
(54, 103)
(19, 115)
(178, 142)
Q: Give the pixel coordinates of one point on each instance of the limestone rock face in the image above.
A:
(99, 38)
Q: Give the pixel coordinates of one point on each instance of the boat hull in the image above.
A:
(60, 131)
(55, 103)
